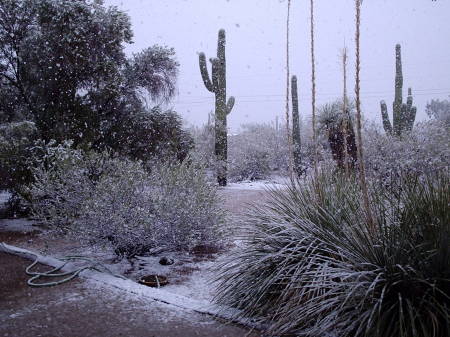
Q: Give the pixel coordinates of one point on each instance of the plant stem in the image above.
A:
(362, 172)
(313, 91)
(344, 112)
(288, 130)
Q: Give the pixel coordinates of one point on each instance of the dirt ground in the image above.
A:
(80, 308)
(76, 309)
(237, 201)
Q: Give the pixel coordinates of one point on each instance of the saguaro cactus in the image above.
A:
(403, 115)
(296, 140)
(217, 85)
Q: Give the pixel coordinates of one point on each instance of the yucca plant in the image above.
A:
(338, 126)
(311, 264)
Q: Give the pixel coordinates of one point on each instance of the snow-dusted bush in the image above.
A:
(186, 204)
(120, 211)
(256, 151)
(425, 149)
(63, 180)
(312, 266)
(439, 111)
(101, 199)
(203, 151)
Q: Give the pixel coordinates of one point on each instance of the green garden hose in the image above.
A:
(66, 276)
(93, 265)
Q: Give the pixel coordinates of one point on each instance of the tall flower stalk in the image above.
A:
(344, 109)
(288, 129)
(313, 90)
(362, 171)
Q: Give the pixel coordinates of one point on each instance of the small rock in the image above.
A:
(166, 261)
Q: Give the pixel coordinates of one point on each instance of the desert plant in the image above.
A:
(422, 151)
(118, 211)
(313, 89)
(217, 85)
(288, 129)
(311, 264)
(97, 198)
(439, 110)
(403, 115)
(16, 140)
(62, 180)
(338, 126)
(187, 205)
(250, 164)
(257, 151)
(150, 135)
(296, 137)
(203, 150)
(345, 126)
(360, 150)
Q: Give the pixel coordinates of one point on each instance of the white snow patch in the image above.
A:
(257, 185)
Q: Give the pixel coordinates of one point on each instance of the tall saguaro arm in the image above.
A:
(204, 72)
(385, 117)
(230, 104)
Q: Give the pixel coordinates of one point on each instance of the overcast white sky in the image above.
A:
(256, 50)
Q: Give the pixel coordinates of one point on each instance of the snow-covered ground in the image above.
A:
(190, 275)
(258, 185)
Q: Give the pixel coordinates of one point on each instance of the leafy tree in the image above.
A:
(64, 62)
(153, 134)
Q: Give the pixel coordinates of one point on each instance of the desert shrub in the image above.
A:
(203, 151)
(62, 180)
(249, 164)
(16, 140)
(187, 204)
(425, 149)
(174, 207)
(311, 266)
(439, 111)
(256, 151)
(119, 212)
(98, 198)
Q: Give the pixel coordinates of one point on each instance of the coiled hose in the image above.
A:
(66, 276)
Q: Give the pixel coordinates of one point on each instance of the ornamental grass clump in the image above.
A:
(311, 264)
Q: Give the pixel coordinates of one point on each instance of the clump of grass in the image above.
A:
(312, 265)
